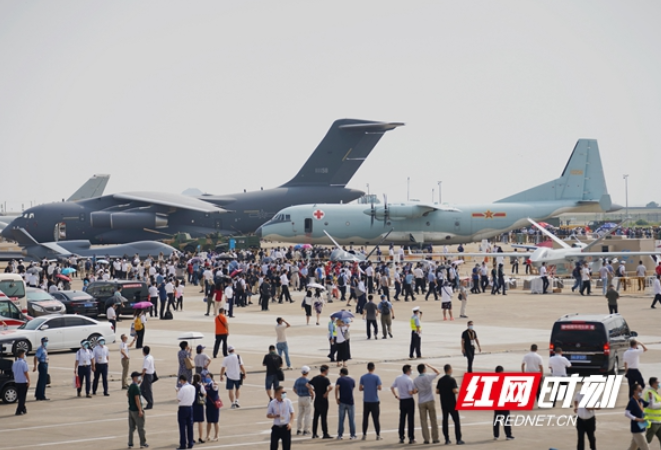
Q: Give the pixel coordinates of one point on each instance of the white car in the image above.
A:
(63, 332)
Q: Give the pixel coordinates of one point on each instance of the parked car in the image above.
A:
(78, 302)
(10, 315)
(64, 331)
(132, 292)
(41, 303)
(592, 342)
(8, 392)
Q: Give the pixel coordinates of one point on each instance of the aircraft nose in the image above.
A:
(258, 232)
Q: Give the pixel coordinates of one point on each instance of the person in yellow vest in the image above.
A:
(416, 330)
(653, 410)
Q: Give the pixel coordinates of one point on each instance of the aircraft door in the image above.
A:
(60, 232)
(308, 226)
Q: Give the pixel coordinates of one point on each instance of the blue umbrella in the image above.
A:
(298, 246)
(344, 316)
(68, 270)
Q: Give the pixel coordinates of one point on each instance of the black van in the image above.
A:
(592, 342)
(133, 291)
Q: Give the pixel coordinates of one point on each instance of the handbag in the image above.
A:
(189, 363)
(218, 403)
(281, 375)
(76, 381)
(154, 378)
(132, 333)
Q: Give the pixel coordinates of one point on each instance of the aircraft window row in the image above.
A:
(281, 218)
(28, 215)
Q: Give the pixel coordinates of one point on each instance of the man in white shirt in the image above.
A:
(586, 423)
(656, 290)
(284, 288)
(186, 398)
(236, 373)
(124, 356)
(101, 357)
(532, 361)
(603, 274)
(229, 299)
(641, 270)
(631, 363)
(558, 364)
(585, 279)
(545, 278)
(281, 411)
(148, 372)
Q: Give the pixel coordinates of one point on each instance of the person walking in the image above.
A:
(463, 298)
(124, 347)
(83, 366)
(469, 341)
(532, 362)
(631, 360)
(101, 359)
(371, 313)
(403, 390)
(273, 363)
(612, 295)
(342, 342)
(111, 315)
(136, 413)
(222, 332)
(21, 373)
(545, 279)
(236, 373)
(41, 362)
(447, 389)
(305, 393)
(306, 304)
(281, 411)
(281, 339)
(635, 411)
(370, 385)
(446, 300)
(284, 287)
(416, 334)
(344, 387)
(318, 304)
(212, 406)
(322, 387)
(426, 402)
(229, 299)
(332, 334)
(656, 290)
(198, 406)
(184, 359)
(585, 279)
(387, 315)
(653, 410)
(185, 398)
(586, 424)
(501, 417)
(148, 374)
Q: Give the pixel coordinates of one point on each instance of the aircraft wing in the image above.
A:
(491, 255)
(609, 254)
(171, 200)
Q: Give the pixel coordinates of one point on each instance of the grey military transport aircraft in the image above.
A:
(581, 187)
(138, 216)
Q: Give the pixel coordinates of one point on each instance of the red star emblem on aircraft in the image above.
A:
(318, 214)
(488, 214)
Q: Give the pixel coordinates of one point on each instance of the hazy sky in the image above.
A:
(224, 95)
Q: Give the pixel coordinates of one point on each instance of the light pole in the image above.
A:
(408, 187)
(432, 195)
(626, 193)
(439, 191)
(368, 190)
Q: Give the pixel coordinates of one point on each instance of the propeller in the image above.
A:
(372, 211)
(386, 211)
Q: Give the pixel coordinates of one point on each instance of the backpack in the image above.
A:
(138, 324)
(340, 280)
(384, 308)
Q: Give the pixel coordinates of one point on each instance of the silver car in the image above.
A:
(41, 303)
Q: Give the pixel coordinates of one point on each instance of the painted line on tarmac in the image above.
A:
(40, 427)
(77, 441)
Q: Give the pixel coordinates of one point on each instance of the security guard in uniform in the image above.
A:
(84, 366)
(41, 361)
(653, 410)
(415, 333)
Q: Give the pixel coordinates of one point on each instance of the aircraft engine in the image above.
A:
(396, 211)
(127, 220)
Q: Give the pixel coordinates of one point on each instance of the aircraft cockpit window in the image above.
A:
(287, 217)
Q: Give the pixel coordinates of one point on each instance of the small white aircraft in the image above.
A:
(568, 254)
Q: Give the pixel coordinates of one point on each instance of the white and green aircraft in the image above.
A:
(580, 188)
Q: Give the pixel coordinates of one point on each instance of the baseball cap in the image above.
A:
(230, 348)
(200, 347)
(417, 308)
(305, 369)
(135, 374)
(44, 339)
(383, 296)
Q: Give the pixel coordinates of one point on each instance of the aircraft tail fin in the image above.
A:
(582, 180)
(341, 152)
(92, 188)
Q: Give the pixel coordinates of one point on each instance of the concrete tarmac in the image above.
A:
(506, 327)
